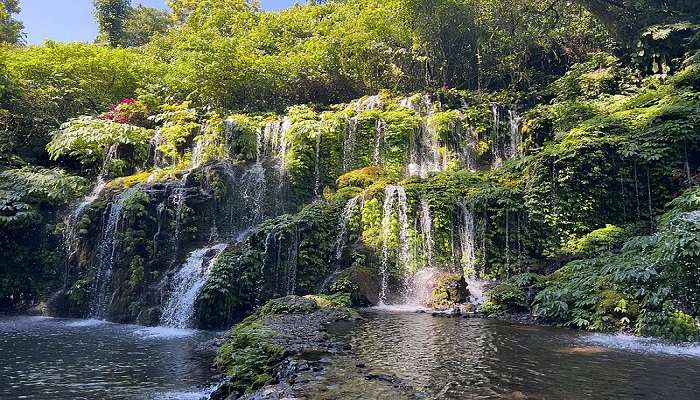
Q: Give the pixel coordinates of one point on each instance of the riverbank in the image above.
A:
(285, 351)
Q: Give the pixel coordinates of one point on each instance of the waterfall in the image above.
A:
(349, 140)
(342, 238)
(107, 249)
(420, 287)
(369, 103)
(317, 168)
(422, 105)
(186, 284)
(467, 238)
(509, 147)
(426, 224)
(495, 128)
(252, 192)
(514, 120)
(393, 194)
(425, 155)
(155, 156)
(380, 141)
(70, 234)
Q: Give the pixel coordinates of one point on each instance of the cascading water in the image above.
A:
(467, 261)
(186, 284)
(252, 192)
(496, 139)
(467, 238)
(317, 167)
(505, 148)
(379, 141)
(70, 234)
(369, 103)
(342, 238)
(514, 120)
(349, 142)
(393, 195)
(426, 224)
(425, 155)
(107, 250)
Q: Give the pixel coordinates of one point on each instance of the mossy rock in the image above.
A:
(361, 284)
(449, 290)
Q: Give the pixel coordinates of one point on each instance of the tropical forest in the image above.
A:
(352, 199)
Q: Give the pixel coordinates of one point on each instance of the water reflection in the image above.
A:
(455, 358)
(69, 359)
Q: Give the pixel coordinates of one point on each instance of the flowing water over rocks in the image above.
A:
(179, 309)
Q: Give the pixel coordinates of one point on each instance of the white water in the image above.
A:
(642, 344)
(342, 238)
(186, 284)
(70, 234)
(394, 197)
(379, 141)
(426, 224)
(467, 238)
(317, 167)
(509, 147)
(107, 250)
(349, 142)
(369, 103)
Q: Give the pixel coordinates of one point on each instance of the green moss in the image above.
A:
(450, 289)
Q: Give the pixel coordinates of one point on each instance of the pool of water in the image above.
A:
(51, 358)
(455, 358)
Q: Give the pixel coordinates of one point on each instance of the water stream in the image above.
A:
(179, 309)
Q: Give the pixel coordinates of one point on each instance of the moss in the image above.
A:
(597, 242)
(450, 289)
(361, 178)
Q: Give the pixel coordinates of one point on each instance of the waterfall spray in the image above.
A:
(107, 250)
(187, 282)
(393, 194)
(426, 224)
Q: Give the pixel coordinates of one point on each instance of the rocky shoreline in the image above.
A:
(313, 364)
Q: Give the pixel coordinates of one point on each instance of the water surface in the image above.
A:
(455, 358)
(51, 358)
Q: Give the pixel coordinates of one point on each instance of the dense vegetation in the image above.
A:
(557, 147)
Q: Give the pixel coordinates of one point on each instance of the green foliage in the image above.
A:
(143, 23)
(111, 17)
(642, 287)
(10, 28)
(178, 124)
(47, 85)
(450, 289)
(248, 357)
(24, 191)
(507, 296)
(600, 241)
(89, 140)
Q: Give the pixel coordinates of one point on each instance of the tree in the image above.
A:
(10, 28)
(142, 23)
(626, 18)
(111, 18)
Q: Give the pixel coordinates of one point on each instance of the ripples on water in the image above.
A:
(453, 358)
(47, 358)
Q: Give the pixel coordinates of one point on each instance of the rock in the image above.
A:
(449, 291)
(362, 283)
